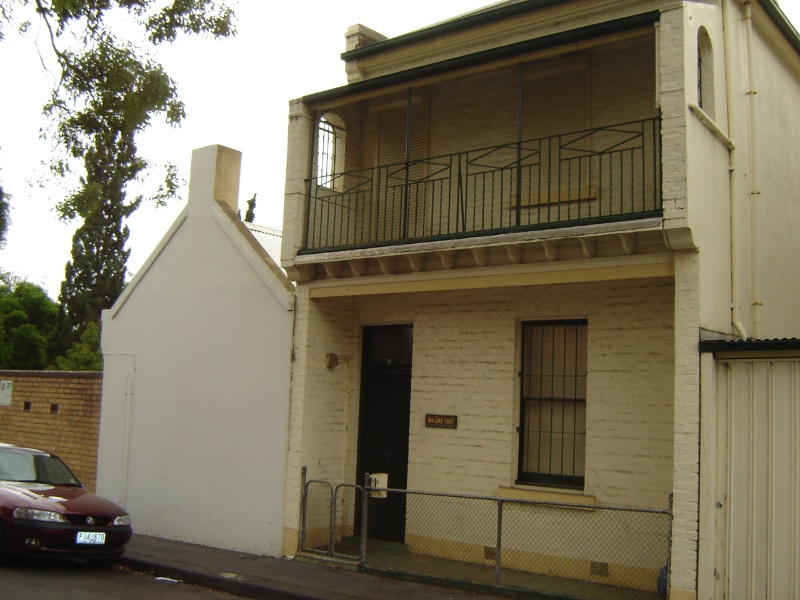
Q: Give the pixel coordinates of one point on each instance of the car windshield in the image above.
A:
(34, 468)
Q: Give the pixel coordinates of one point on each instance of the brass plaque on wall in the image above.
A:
(441, 421)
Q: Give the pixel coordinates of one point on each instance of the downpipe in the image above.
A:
(754, 191)
(736, 321)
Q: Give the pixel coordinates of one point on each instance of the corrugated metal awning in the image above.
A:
(741, 348)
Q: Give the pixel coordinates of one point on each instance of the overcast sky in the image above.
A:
(236, 93)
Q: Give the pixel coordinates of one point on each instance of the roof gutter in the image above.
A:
(781, 22)
(489, 15)
(749, 346)
(472, 19)
(486, 56)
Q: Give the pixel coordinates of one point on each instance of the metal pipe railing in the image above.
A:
(601, 174)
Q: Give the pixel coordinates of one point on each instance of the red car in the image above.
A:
(46, 511)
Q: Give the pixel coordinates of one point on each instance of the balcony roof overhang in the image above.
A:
(552, 251)
(476, 59)
(643, 266)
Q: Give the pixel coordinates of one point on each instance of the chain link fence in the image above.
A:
(575, 550)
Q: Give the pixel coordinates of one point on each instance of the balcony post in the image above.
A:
(518, 210)
(299, 151)
(405, 207)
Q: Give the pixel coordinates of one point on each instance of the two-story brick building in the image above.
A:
(524, 221)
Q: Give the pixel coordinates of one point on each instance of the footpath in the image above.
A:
(251, 576)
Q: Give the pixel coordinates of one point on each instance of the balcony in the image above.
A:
(599, 175)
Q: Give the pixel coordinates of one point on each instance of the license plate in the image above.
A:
(91, 537)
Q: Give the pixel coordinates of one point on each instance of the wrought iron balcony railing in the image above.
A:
(604, 174)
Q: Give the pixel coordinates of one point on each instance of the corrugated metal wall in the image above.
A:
(757, 546)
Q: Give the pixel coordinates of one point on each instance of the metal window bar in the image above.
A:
(601, 174)
(553, 403)
(326, 153)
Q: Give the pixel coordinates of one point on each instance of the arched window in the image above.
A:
(705, 72)
(330, 150)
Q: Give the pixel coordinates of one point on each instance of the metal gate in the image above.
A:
(331, 519)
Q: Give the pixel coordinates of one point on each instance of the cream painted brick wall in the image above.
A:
(623, 81)
(321, 399)
(465, 363)
(295, 192)
(481, 110)
(673, 116)
(464, 366)
(687, 422)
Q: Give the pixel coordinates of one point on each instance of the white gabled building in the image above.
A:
(197, 358)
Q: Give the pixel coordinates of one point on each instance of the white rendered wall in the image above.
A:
(195, 406)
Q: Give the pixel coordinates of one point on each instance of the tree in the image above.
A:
(3, 217)
(27, 317)
(95, 276)
(108, 91)
(84, 355)
(250, 215)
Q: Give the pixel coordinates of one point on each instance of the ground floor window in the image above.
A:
(553, 403)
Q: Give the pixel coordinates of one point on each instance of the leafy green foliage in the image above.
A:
(163, 21)
(251, 209)
(108, 92)
(27, 317)
(84, 355)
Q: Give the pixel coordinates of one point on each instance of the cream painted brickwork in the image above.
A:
(534, 24)
(465, 363)
(71, 432)
(673, 116)
(321, 425)
(298, 153)
(465, 360)
(673, 84)
(480, 110)
(622, 80)
(686, 476)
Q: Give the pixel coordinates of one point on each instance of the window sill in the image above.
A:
(539, 495)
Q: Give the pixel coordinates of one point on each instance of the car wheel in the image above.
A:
(2, 546)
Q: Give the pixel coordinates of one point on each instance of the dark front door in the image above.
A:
(383, 424)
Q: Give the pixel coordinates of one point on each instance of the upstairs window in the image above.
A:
(326, 153)
(705, 72)
(553, 403)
